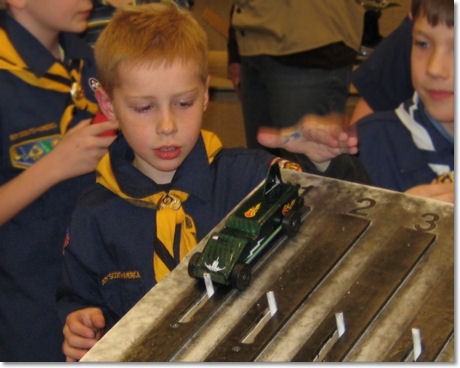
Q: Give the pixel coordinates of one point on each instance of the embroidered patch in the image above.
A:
(25, 154)
(94, 84)
(126, 275)
(33, 130)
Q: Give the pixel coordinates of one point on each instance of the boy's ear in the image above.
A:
(105, 103)
(206, 94)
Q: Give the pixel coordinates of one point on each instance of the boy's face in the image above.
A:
(433, 68)
(160, 112)
(57, 16)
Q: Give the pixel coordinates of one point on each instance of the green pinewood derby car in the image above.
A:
(273, 209)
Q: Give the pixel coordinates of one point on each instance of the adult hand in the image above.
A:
(440, 191)
(320, 138)
(82, 329)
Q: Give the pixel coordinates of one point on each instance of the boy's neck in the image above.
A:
(159, 177)
(447, 127)
(48, 38)
(61, 53)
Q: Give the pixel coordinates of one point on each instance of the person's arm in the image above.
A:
(77, 153)
(86, 309)
(320, 138)
(440, 191)
(82, 329)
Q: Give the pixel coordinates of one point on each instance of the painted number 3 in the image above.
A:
(430, 220)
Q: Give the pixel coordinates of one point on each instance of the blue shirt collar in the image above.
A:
(34, 54)
(193, 176)
(425, 119)
(439, 127)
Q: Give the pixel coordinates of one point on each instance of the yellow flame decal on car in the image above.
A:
(287, 207)
(251, 212)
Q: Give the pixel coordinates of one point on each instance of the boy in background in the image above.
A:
(383, 80)
(165, 182)
(412, 147)
(44, 100)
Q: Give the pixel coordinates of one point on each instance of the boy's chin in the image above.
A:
(441, 111)
(441, 116)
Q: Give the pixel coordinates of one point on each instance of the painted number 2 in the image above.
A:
(366, 204)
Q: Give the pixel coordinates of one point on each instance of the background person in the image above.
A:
(42, 61)
(289, 59)
(411, 148)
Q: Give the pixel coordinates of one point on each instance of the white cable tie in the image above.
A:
(208, 283)
(340, 321)
(272, 306)
(417, 343)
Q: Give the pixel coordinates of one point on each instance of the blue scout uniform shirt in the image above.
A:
(108, 261)
(31, 243)
(384, 79)
(403, 148)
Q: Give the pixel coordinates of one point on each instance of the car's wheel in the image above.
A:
(299, 203)
(291, 223)
(241, 276)
(193, 263)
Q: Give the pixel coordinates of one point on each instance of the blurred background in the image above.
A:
(224, 113)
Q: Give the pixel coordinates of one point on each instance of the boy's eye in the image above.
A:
(420, 44)
(185, 103)
(142, 108)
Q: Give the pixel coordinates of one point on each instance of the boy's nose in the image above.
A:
(166, 124)
(438, 64)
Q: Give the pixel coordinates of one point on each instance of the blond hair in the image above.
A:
(155, 33)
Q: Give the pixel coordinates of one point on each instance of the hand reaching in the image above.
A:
(320, 138)
(440, 191)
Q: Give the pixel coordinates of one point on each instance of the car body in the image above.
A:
(273, 209)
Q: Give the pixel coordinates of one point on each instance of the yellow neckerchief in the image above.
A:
(170, 212)
(57, 78)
